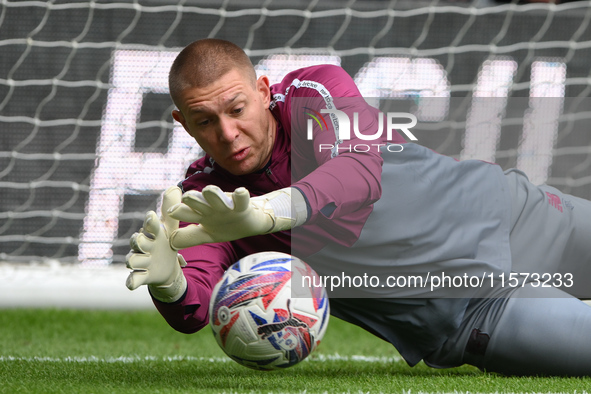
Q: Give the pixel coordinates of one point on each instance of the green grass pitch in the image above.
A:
(71, 351)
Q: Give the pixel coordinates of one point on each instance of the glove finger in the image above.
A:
(138, 261)
(217, 199)
(196, 201)
(181, 259)
(136, 279)
(142, 243)
(192, 235)
(151, 225)
(184, 213)
(172, 196)
(133, 242)
(241, 198)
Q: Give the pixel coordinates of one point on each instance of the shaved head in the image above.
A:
(203, 62)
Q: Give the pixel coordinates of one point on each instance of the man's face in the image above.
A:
(230, 120)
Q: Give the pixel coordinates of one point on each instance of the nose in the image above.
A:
(228, 129)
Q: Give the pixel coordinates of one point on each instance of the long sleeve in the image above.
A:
(338, 170)
(205, 266)
(342, 186)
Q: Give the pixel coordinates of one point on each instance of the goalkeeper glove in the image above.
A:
(152, 260)
(230, 216)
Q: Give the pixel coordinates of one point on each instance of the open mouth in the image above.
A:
(240, 155)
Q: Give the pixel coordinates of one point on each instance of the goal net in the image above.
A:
(88, 143)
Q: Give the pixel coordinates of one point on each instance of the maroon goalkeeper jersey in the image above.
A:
(340, 184)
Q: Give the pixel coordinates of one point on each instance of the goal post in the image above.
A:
(88, 143)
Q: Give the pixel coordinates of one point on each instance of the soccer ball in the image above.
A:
(256, 319)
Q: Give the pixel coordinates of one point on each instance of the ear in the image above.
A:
(263, 87)
(178, 116)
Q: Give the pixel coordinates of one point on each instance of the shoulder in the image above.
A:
(321, 72)
(321, 79)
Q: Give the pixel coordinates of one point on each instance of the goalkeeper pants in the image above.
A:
(535, 331)
(531, 329)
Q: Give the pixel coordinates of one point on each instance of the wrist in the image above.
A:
(289, 208)
(299, 207)
(171, 292)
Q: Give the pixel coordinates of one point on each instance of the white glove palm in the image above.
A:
(152, 260)
(229, 216)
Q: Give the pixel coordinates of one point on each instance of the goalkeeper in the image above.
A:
(279, 176)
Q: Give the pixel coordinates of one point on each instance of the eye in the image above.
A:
(203, 123)
(238, 111)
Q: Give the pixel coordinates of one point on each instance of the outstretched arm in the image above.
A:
(231, 216)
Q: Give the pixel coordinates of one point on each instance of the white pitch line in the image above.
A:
(124, 360)
(367, 359)
(135, 359)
